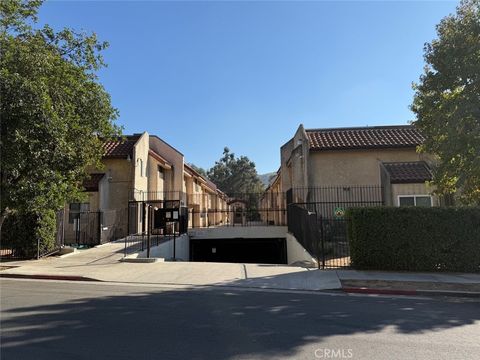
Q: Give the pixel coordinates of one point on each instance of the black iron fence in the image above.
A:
(153, 222)
(91, 228)
(237, 216)
(135, 243)
(325, 239)
(328, 201)
(317, 219)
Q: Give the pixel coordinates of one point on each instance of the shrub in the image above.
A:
(415, 238)
(23, 232)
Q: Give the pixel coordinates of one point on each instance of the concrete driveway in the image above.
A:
(103, 263)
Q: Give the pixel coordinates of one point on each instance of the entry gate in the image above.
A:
(152, 222)
(320, 224)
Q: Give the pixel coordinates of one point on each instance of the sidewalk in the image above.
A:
(410, 283)
(103, 264)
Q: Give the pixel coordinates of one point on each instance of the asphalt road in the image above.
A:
(68, 320)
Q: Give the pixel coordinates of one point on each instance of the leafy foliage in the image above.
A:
(199, 169)
(53, 113)
(24, 232)
(415, 238)
(447, 103)
(235, 175)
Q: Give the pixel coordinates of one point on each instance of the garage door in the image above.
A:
(261, 251)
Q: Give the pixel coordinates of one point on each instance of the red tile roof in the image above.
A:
(364, 138)
(91, 184)
(120, 148)
(408, 172)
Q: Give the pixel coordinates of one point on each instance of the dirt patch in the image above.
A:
(410, 285)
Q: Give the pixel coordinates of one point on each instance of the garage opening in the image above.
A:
(239, 250)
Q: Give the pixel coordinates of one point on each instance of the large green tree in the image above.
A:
(235, 175)
(447, 103)
(54, 113)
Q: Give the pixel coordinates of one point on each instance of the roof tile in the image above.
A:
(408, 172)
(364, 138)
(120, 148)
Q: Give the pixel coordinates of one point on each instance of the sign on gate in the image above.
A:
(339, 212)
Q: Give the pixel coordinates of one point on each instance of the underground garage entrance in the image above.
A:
(239, 250)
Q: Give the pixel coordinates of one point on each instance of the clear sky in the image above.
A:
(204, 75)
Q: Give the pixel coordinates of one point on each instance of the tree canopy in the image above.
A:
(235, 175)
(447, 103)
(199, 169)
(54, 111)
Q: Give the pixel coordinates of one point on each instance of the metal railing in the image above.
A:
(140, 195)
(325, 201)
(142, 242)
(237, 217)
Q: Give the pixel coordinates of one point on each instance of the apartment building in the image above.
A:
(139, 171)
(371, 165)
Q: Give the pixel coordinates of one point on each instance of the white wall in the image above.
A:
(231, 232)
(296, 252)
(165, 250)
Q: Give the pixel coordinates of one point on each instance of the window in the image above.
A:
(75, 209)
(140, 163)
(415, 200)
(197, 187)
(161, 172)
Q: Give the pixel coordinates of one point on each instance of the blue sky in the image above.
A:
(204, 75)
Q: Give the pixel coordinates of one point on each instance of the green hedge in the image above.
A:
(415, 239)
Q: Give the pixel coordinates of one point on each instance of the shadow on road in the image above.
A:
(98, 321)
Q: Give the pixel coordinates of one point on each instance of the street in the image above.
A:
(79, 320)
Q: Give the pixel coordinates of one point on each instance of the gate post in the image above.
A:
(149, 228)
(322, 244)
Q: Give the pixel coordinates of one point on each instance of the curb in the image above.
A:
(141, 260)
(373, 291)
(48, 277)
(363, 290)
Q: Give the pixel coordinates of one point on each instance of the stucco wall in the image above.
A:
(296, 252)
(294, 161)
(412, 189)
(140, 161)
(117, 184)
(174, 157)
(156, 184)
(359, 167)
(231, 232)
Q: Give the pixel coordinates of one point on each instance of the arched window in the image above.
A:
(140, 163)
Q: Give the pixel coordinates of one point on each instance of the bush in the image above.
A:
(23, 232)
(415, 239)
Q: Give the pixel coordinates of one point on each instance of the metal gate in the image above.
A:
(152, 222)
(320, 224)
(82, 228)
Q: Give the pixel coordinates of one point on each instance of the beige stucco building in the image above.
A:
(377, 164)
(273, 202)
(138, 171)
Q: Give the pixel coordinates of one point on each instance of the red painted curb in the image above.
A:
(363, 290)
(48, 277)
